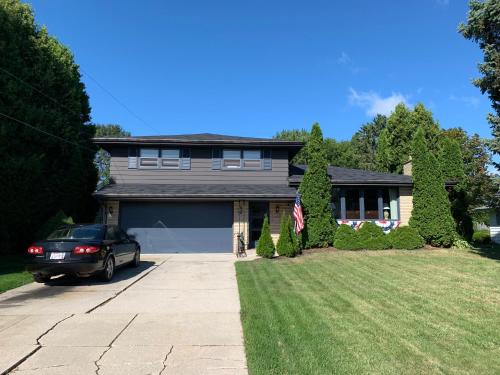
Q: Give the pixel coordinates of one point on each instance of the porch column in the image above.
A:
(240, 223)
(276, 212)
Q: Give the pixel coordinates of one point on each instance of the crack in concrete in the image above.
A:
(37, 348)
(98, 367)
(124, 289)
(165, 360)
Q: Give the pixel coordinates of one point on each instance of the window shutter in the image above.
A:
(267, 161)
(185, 158)
(132, 157)
(216, 158)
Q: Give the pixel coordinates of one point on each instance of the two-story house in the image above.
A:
(197, 192)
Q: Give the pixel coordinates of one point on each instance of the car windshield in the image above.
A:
(88, 232)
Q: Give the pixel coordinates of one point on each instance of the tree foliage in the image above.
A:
(102, 157)
(431, 214)
(394, 147)
(364, 143)
(483, 27)
(316, 194)
(41, 174)
(265, 246)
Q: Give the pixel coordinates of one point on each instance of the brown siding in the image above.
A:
(201, 171)
(405, 204)
(275, 216)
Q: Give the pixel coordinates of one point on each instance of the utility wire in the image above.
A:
(39, 91)
(46, 132)
(120, 102)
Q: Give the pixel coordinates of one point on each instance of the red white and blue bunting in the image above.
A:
(386, 225)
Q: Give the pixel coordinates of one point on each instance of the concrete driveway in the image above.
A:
(176, 314)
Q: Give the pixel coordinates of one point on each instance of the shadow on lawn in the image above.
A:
(488, 251)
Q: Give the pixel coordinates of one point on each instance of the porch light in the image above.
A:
(110, 210)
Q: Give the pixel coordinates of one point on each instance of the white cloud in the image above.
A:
(443, 2)
(470, 101)
(344, 59)
(374, 104)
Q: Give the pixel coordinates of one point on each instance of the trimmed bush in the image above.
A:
(346, 238)
(52, 224)
(405, 237)
(286, 243)
(372, 237)
(265, 246)
(481, 237)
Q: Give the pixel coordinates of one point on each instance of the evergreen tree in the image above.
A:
(286, 244)
(316, 190)
(365, 142)
(453, 170)
(483, 26)
(265, 246)
(431, 214)
(47, 166)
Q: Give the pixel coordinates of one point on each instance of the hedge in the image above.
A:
(405, 237)
(481, 237)
(265, 246)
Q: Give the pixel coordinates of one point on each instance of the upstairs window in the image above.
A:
(148, 158)
(166, 158)
(241, 159)
(231, 159)
(170, 158)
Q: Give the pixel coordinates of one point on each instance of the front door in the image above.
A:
(256, 213)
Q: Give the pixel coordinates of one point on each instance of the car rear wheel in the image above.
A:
(109, 269)
(137, 259)
(40, 278)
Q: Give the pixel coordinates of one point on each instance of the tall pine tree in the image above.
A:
(431, 214)
(316, 190)
(453, 170)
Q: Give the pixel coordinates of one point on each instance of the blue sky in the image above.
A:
(255, 67)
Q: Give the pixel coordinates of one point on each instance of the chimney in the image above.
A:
(407, 167)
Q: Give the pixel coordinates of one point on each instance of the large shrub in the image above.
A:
(286, 243)
(346, 238)
(372, 237)
(265, 246)
(316, 190)
(405, 237)
(431, 214)
(481, 237)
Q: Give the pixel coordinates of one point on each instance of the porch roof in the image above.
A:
(348, 176)
(198, 191)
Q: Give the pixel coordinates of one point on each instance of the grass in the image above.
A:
(385, 312)
(12, 273)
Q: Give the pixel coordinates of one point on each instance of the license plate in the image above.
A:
(57, 256)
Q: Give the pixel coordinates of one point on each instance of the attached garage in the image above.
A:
(179, 227)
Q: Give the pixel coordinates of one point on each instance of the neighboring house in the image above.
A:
(197, 192)
(493, 224)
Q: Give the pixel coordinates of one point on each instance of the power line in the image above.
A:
(39, 91)
(46, 132)
(119, 102)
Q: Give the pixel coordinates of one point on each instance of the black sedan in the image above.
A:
(83, 250)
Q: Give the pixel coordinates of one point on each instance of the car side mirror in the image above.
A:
(131, 237)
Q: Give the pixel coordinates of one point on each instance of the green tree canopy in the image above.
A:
(394, 147)
(365, 141)
(102, 157)
(46, 141)
(483, 27)
(316, 190)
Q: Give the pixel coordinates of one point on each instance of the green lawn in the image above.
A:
(12, 273)
(386, 312)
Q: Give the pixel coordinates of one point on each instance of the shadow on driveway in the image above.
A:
(64, 284)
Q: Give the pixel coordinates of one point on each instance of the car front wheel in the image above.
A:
(109, 269)
(41, 278)
(136, 262)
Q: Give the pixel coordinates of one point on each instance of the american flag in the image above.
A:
(297, 215)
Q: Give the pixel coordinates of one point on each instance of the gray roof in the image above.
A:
(211, 191)
(349, 176)
(197, 139)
